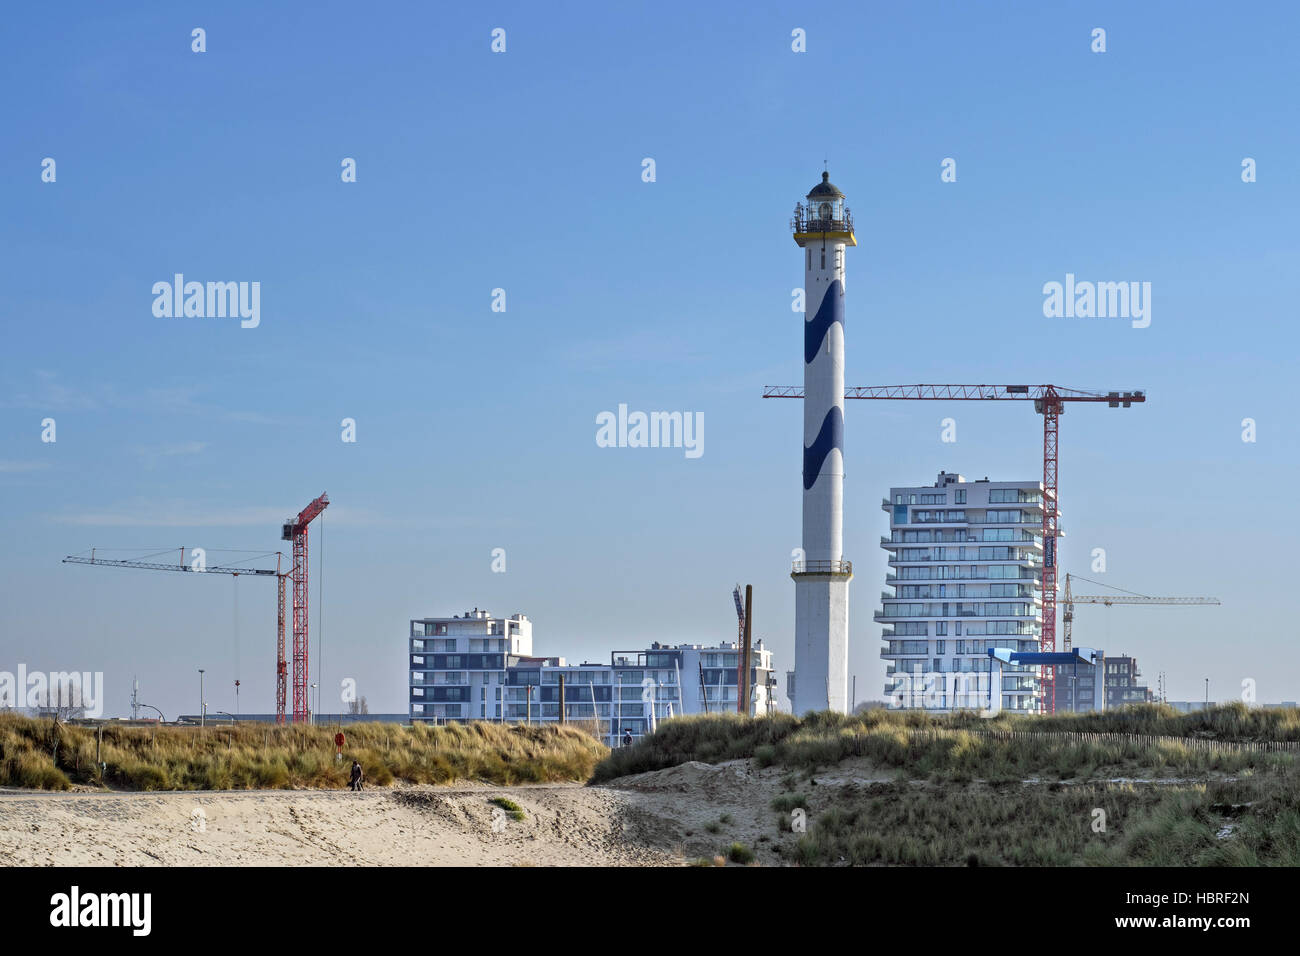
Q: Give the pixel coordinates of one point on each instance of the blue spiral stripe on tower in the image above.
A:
(830, 436)
(828, 313)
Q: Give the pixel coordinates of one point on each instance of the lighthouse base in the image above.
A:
(821, 642)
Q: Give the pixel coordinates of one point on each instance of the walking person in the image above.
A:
(355, 782)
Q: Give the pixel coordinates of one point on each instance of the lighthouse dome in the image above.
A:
(825, 189)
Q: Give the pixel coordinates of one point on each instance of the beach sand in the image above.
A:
(564, 825)
(663, 818)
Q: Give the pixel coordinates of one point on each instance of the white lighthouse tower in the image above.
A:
(823, 229)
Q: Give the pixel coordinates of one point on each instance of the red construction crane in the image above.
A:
(1049, 401)
(234, 570)
(295, 530)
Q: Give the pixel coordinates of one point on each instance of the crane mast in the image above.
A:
(295, 530)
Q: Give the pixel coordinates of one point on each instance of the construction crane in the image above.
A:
(295, 530)
(1127, 597)
(197, 568)
(1049, 401)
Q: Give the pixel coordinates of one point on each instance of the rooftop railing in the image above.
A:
(822, 567)
(803, 221)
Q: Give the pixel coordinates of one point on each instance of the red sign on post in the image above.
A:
(338, 740)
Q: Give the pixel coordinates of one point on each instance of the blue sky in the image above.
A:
(522, 171)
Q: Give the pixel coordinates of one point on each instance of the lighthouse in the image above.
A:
(823, 229)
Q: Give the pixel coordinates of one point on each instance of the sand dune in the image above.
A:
(664, 818)
(564, 824)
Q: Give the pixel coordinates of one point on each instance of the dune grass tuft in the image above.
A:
(958, 748)
(43, 755)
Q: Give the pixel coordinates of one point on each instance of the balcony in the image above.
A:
(804, 223)
(886, 615)
(822, 567)
(1032, 559)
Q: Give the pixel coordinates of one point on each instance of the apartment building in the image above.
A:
(965, 570)
(458, 664)
(663, 680)
(476, 667)
(1076, 685)
(1122, 686)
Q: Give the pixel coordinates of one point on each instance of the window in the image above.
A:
(960, 497)
(938, 647)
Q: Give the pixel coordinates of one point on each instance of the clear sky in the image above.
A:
(522, 171)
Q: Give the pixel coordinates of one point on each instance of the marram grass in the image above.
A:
(43, 755)
(1027, 797)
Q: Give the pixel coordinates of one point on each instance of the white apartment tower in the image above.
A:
(823, 229)
(965, 561)
(458, 663)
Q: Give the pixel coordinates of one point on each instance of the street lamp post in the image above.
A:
(203, 707)
(317, 704)
(161, 718)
